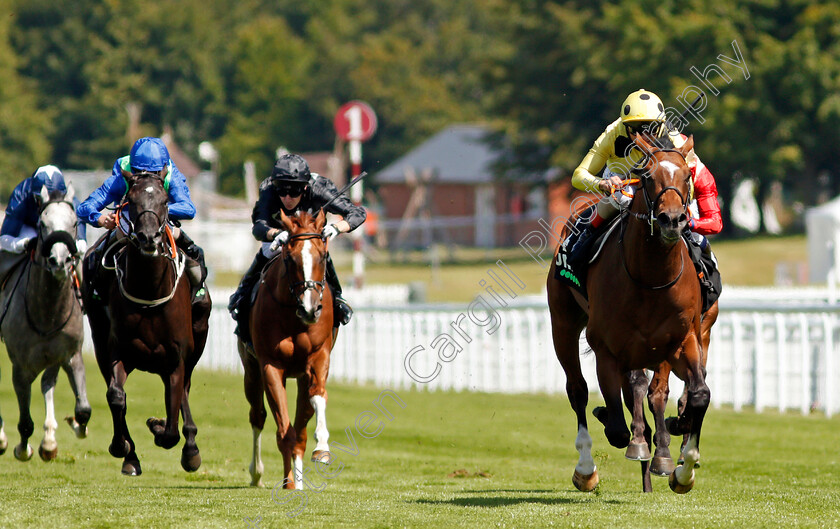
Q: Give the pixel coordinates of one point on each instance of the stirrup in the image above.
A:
(343, 312)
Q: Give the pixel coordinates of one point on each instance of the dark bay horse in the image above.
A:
(292, 329)
(42, 325)
(149, 323)
(643, 310)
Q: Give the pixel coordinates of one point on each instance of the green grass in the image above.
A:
(759, 470)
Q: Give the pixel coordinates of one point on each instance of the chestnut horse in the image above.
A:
(292, 328)
(643, 310)
(150, 323)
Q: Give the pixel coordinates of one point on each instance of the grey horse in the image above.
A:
(42, 325)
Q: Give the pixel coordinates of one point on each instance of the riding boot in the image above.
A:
(90, 271)
(196, 268)
(342, 310)
(240, 299)
(579, 242)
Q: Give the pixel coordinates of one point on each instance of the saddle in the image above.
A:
(573, 272)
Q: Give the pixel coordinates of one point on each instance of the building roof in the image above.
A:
(457, 154)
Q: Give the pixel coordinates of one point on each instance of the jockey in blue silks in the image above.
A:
(20, 226)
(147, 155)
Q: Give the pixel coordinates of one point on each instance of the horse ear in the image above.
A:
(642, 143)
(687, 146)
(129, 178)
(44, 194)
(285, 221)
(320, 220)
(70, 193)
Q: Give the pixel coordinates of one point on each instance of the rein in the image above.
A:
(178, 266)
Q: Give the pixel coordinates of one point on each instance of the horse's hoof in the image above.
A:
(156, 426)
(662, 466)
(23, 454)
(131, 468)
(47, 455)
(79, 429)
(637, 452)
(119, 450)
(321, 456)
(4, 444)
(257, 483)
(190, 463)
(585, 483)
(600, 413)
(678, 487)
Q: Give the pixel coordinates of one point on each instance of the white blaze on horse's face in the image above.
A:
(671, 167)
(307, 257)
(150, 189)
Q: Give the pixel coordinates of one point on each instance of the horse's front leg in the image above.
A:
(22, 381)
(75, 369)
(274, 378)
(166, 431)
(314, 401)
(691, 421)
(662, 464)
(49, 446)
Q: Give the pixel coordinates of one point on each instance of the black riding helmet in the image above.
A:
(290, 168)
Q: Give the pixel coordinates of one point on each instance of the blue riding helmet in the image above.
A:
(149, 154)
(50, 176)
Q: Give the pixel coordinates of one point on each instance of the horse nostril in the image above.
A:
(53, 262)
(663, 219)
(682, 219)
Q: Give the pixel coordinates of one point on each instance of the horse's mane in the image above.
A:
(662, 142)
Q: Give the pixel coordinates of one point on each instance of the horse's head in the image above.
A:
(305, 256)
(57, 222)
(665, 186)
(148, 211)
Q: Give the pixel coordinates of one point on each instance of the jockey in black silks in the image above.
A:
(290, 188)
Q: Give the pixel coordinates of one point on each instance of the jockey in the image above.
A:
(149, 155)
(291, 187)
(20, 225)
(642, 111)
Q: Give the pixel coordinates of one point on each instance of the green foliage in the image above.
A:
(254, 75)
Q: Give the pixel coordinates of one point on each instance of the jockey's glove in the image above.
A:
(21, 244)
(194, 252)
(329, 232)
(279, 240)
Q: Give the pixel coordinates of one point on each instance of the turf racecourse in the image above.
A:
(759, 470)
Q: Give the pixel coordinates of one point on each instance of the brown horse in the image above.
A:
(643, 310)
(150, 323)
(292, 328)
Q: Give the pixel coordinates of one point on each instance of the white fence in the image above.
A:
(765, 353)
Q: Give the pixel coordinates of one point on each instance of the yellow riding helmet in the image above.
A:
(642, 105)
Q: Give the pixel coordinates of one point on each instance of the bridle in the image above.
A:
(640, 169)
(178, 260)
(162, 221)
(308, 284)
(58, 236)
